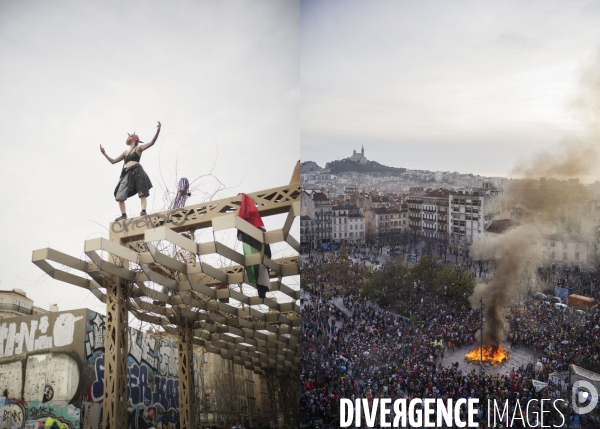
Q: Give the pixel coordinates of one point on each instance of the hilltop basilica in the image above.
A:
(359, 157)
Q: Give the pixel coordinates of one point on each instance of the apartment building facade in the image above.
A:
(564, 250)
(307, 232)
(415, 211)
(315, 218)
(428, 213)
(384, 221)
(228, 393)
(340, 226)
(14, 303)
(347, 225)
(322, 205)
(435, 213)
(356, 233)
(467, 221)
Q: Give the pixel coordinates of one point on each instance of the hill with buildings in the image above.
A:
(347, 166)
(357, 163)
(371, 176)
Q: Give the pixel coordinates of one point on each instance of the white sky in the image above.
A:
(221, 76)
(461, 86)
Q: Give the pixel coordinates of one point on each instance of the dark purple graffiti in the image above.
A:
(164, 390)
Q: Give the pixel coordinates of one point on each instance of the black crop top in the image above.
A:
(133, 156)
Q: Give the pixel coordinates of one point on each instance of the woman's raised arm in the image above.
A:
(145, 146)
(112, 161)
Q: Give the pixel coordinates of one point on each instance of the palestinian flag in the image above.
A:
(257, 274)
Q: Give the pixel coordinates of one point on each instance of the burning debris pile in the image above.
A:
(494, 354)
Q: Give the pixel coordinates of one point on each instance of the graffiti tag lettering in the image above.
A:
(165, 390)
(14, 343)
(177, 217)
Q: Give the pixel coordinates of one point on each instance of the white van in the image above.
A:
(560, 306)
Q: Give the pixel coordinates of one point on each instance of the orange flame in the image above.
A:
(494, 354)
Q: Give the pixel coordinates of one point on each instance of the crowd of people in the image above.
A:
(558, 336)
(352, 348)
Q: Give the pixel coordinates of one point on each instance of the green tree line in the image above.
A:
(396, 282)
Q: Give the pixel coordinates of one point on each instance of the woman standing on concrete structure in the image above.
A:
(134, 179)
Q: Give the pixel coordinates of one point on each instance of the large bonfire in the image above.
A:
(494, 354)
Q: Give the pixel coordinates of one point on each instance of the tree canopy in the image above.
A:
(396, 281)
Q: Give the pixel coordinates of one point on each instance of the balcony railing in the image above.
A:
(16, 308)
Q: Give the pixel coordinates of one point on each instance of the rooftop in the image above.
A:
(18, 292)
(438, 193)
(502, 225)
(319, 196)
(385, 210)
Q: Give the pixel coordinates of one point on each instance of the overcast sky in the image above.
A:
(461, 86)
(243, 89)
(221, 76)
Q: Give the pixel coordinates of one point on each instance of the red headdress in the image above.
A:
(134, 136)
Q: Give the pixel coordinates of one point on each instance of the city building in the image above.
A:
(339, 224)
(385, 221)
(228, 392)
(348, 225)
(317, 177)
(359, 157)
(428, 213)
(351, 193)
(565, 250)
(415, 211)
(356, 231)
(468, 210)
(500, 226)
(307, 206)
(14, 303)
(322, 217)
(435, 214)
(383, 201)
(307, 232)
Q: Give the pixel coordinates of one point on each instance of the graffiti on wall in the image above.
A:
(144, 348)
(53, 365)
(67, 413)
(34, 335)
(142, 389)
(41, 377)
(152, 377)
(50, 382)
(176, 217)
(40, 368)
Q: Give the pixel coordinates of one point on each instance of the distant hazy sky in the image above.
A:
(222, 76)
(462, 86)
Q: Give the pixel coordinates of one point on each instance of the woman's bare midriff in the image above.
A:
(130, 163)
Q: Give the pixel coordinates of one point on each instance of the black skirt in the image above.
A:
(134, 180)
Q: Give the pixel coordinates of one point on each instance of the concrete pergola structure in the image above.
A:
(188, 296)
